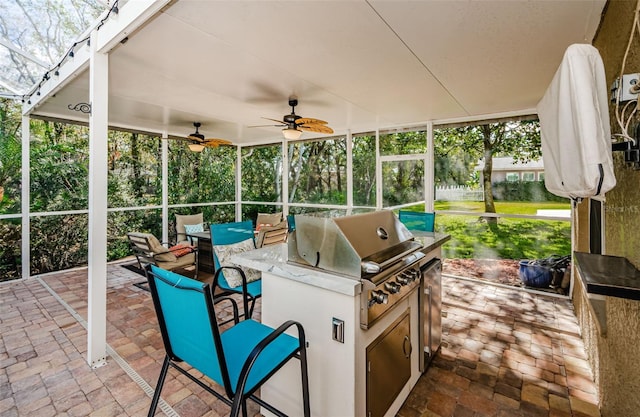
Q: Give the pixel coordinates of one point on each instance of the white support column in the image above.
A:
(26, 198)
(349, 172)
(378, 173)
(429, 171)
(165, 187)
(98, 151)
(238, 183)
(285, 177)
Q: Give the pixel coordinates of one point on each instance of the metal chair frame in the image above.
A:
(277, 344)
(225, 234)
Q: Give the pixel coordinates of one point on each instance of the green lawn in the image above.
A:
(504, 207)
(474, 237)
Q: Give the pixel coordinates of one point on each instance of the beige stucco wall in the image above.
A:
(615, 358)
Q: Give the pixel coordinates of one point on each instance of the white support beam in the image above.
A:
(378, 173)
(285, 177)
(238, 184)
(129, 18)
(429, 171)
(26, 198)
(349, 172)
(69, 70)
(165, 187)
(98, 168)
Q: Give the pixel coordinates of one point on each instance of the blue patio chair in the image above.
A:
(228, 234)
(418, 220)
(239, 359)
(291, 221)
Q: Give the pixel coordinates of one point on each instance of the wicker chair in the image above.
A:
(149, 251)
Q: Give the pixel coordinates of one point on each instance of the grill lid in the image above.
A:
(351, 245)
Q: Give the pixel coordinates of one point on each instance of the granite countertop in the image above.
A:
(273, 259)
(608, 275)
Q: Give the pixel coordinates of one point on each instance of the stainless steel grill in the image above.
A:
(374, 248)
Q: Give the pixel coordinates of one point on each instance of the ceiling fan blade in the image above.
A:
(266, 126)
(310, 120)
(215, 142)
(316, 128)
(275, 120)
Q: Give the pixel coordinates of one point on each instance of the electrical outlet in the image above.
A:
(629, 87)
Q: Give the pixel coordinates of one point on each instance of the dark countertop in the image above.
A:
(430, 240)
(608, 275)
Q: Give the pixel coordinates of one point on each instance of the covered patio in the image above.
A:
(363, 67)
(156, 67)
(505, 353)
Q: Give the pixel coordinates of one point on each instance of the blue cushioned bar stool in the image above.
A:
(239, 359)
(223, 234)
(418, 220)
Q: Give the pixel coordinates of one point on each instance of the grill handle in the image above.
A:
(411, 251)
(370, 267)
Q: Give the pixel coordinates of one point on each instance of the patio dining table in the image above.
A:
(205, 251)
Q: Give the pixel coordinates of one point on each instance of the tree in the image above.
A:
(519, 139)
(317, 171)
(10, 151)
(455, 158)
(40, 35)
(364, 170)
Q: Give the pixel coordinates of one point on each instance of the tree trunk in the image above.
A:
(293, 184)
(136, 168)
(489, 206)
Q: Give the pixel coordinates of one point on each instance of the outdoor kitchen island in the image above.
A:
(359, 364)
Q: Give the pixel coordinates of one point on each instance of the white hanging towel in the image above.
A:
(574, 127)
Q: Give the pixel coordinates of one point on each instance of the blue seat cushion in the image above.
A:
(238, 342)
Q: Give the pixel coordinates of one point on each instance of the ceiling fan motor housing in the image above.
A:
(291, 118)
(197, 134)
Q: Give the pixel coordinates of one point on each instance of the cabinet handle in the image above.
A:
(404, 346)
(430, 318)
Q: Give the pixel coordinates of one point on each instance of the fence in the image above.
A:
(459, 193)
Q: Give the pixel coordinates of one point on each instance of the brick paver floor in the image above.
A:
(505, 352)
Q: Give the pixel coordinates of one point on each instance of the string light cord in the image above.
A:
(70, 54)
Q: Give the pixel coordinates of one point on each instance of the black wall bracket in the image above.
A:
(631, 152)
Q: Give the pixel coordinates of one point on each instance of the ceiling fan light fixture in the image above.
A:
(291, 134)
(196, 147)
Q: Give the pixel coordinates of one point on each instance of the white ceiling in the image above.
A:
(360, 65)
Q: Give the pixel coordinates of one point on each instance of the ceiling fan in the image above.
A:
(197, 141)
(295, 124)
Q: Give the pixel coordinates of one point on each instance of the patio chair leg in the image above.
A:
(253, 304)
(156, 394)
(244, 409)
(238, 404)
(245, 304)
(305, 378)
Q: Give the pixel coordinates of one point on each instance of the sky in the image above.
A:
(35, 35)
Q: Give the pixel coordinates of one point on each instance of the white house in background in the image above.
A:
(506, 169)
